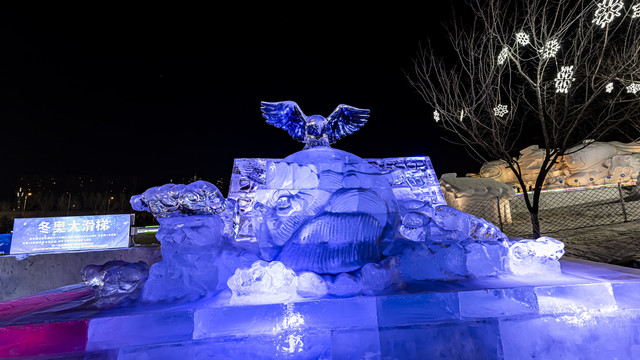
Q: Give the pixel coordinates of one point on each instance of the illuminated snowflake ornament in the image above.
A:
(633, 88)
(607, 11)
(502, 57)
(564, 79)
(636, 11)
(550, 49)
(609, 87)
(436, 116)
(522, 38)
(500, 110)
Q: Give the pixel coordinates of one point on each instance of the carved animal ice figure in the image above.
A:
(116, 281)
(343, 237)
(314, 130)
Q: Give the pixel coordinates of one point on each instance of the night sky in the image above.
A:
(166, 93)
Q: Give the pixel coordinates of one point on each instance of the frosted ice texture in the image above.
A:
(321, 210)
(197, 257)
(263, 282)
(328, 211)
(116, 281)
(328, 222)
(197, 198)
(534, 256)
(314, 130)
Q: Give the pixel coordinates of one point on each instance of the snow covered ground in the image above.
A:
(607, 243)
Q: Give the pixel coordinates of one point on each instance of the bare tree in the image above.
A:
(548, 72)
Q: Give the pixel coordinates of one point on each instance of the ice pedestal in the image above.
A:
(589, 311)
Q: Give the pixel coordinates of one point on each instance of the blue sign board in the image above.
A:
(70, 233)
(5, 243)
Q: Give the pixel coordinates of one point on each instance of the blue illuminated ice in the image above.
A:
(304, 215)
(534, 256)
(377, 277)
(324, 222)
(116, 282)
(263, 282)
(314, 130)
(197, 198)
(311, 285)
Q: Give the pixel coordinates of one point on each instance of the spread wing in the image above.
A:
(345, 120)
(285, 115)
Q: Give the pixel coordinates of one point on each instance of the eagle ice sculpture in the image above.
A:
(314, 130)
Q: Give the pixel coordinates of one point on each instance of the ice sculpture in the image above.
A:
(197, 198)
(314, 130)
(116, 281)
(530, 257)
(329, 206)
(263, 282)
(321, 222)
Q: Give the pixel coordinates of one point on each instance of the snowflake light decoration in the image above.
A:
(550, 49)
(609, 87)
(564, 79)
(636, 11)
(500, 110)
(522, 38)
(436, 116)
(607, 11)
(503, 55)
(633, 88)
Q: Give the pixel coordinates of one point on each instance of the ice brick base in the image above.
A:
(590, 311)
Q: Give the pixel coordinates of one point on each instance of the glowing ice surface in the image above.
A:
(534, 256)
(116, 281)
(263, 282)
(314, 130)
(323, 222)
(197, 198)
(325, 210)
